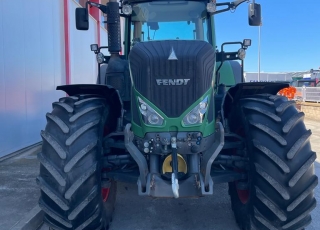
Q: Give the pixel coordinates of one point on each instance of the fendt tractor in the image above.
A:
(172, 113)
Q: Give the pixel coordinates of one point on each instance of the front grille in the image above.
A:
(149, 61)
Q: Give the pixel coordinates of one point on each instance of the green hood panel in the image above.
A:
(174, 124)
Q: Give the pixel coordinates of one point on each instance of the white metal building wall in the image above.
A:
(31, 66)
(83, 65)
(104, 41)
(33, 63)
(35, 55)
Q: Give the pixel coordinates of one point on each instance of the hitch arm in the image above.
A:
(209, 156)
(174, 174)
(138, 157)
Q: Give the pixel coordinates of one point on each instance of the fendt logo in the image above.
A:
(172, 81)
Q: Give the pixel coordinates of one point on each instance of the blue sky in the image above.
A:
(290, 34)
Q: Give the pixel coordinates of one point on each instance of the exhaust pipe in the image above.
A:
(113, 21)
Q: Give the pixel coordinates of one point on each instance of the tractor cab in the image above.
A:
(169, 20)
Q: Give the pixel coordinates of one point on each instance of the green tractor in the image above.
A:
(174, 115)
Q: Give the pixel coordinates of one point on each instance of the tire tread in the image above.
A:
(64, 128)
(281, 178)
(303, 195)
(46, 208)
(277, 160)
(293, 181)
(273, 182)
(270, 132)
(81, 131)
(78, 156)
(270, 204)
(301, 216)
(70, 164)
(52, 169)
(75, 186)
(54, 144)
(46, 188)
(298, 145)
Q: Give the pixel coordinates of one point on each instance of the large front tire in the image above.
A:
(281, 178)
(70, 169)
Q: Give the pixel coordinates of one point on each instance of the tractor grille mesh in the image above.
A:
(149, 61)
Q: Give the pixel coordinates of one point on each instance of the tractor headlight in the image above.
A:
(195, 116)
(127, 9)
(150, 117)
(100, 58)
(211, 7)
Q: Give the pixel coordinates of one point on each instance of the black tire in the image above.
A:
(281, 176)
(70, 165)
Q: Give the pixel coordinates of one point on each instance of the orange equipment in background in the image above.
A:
(288, 92)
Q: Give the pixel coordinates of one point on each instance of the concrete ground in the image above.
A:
(18, 191)
(19, 194)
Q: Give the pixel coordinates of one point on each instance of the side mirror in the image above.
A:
(254, 14)
(82, 19)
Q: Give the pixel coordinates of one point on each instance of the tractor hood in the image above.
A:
(172, 74)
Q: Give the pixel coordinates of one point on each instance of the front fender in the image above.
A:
(108, 92)
(241, 90)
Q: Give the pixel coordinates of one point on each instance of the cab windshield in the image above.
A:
(162, 20)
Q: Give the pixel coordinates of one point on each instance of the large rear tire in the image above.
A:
(281, 178)
(70, 169)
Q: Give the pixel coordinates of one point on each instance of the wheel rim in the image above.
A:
(242, 194)
(105, 194)
(105, 191)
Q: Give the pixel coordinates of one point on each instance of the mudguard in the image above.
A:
(241, 90)
(106, 91)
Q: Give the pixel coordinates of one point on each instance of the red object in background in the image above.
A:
(288, 92)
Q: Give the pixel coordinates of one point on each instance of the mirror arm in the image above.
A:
(87, 12)
(231, 5)
(103, 8)
(220, 11)
(223, 4)
(235, 4)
